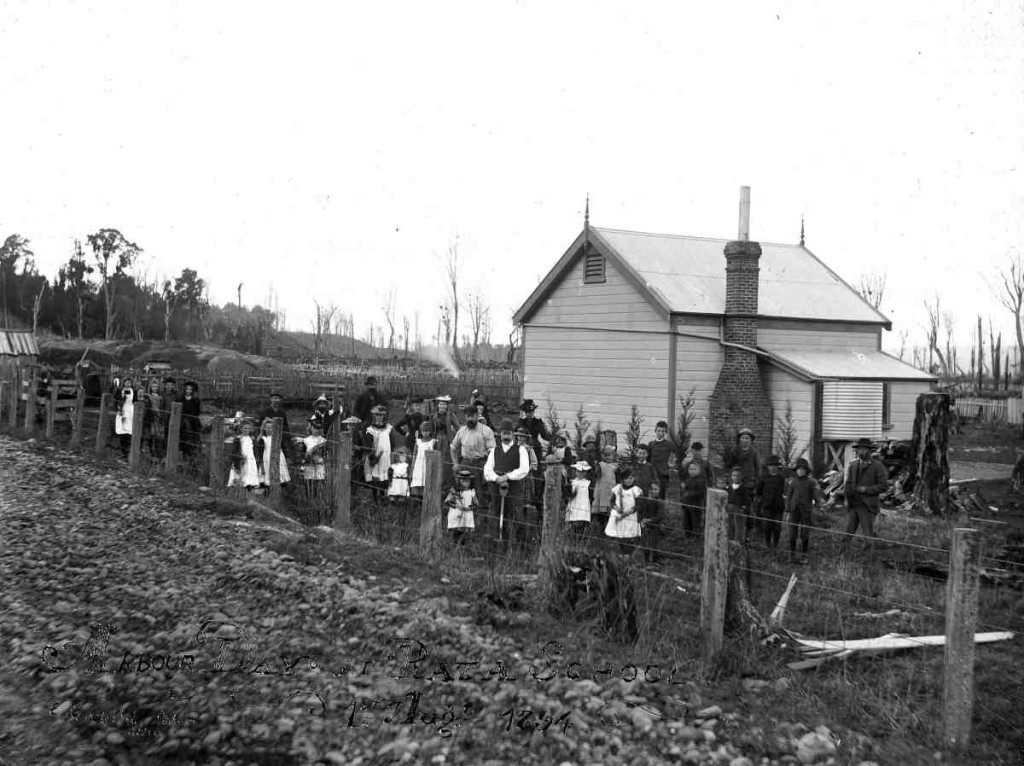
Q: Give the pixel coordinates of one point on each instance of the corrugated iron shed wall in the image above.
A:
(18, 343)
(851, 409)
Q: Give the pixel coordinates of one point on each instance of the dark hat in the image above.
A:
(625, 473)
(527, 405)
(469, 409)
(802, 463)
(864, 443)
(465, 473)
(479, 403)
(774, 460)
(590, 439)
(371, 381)
(745, 432)
(697, 445)
(195, 386)
(507, 425)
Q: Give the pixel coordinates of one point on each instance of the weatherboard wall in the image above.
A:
(903, 407)
(699, 359)
(785, 390)
(603, 370)
(781, 334)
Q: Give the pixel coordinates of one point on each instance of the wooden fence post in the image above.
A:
(274, 479)
(30, 404)
(51, 412)
(715, 576)
(135, 450)
(342, 478)
(78, 424)
(430, 515)
(173, 440)
(15, 395)
(550, 533)
(217, 454)
(961, 621)
(102, 430)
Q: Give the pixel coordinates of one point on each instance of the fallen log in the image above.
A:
(779, 612)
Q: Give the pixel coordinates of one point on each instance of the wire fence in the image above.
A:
(852, 587)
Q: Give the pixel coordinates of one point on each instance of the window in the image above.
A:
(886, 407)
(593, 268)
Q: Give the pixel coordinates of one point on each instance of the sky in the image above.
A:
(332, 151)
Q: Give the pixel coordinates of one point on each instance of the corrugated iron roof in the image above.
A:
(18, 343)
(848, 364)
(688, 274)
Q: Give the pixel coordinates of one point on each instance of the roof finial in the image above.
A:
(801, 231)
(586, 213)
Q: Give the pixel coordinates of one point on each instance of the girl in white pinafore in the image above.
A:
(624, 524)
(425, 442)
(244, 471)
(577, 512)
(266, 429)
(398, 489)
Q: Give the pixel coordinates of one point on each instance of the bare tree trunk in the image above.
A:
(981, 358)
(36, 305)
(929, 468)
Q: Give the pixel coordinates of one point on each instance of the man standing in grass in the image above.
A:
(470, 447)
(866, 478)
(661, 451)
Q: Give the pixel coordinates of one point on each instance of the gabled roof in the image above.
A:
(686, 275)
(18, 343)
(815, 364)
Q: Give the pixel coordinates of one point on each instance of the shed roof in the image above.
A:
(686, 275)
(18, 343)
(846, 364)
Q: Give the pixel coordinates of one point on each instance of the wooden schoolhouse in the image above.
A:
(753, 329)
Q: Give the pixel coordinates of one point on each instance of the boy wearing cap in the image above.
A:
(770, 501)
(744, 456)
(802, 494)
(506, 467)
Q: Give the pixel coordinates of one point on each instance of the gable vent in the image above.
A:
(593, 268)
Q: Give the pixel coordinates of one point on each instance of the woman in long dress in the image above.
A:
(446, 425)
(123, 421)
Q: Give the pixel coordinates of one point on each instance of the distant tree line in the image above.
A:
(98, 294)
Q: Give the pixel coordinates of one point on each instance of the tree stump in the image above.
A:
(929, 468)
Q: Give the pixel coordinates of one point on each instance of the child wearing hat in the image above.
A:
(461, 502)
(577, 511)
(770, 501)
(623, 524)
(803, 493)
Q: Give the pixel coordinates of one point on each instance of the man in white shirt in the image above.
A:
(506, 466)
(471, 446)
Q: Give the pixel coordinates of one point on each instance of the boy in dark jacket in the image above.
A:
(644, 473)
(802, 494)
(770, 501)
(661, 451)
(693, 499)
(740, 506)
(651, 512)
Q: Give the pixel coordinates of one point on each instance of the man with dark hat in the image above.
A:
(410, 423)
(472, 444)
(744, 456)
(367, 400)
(505, 468)
(324, 415)
(865, 479)
(534, 425)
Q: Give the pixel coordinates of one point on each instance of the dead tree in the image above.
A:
(1012, 297)
(929, 467)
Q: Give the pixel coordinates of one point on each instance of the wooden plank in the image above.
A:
(103, 429)
(430, 515)
(4, 396)
(135, 449)
(715, 575)
(890, 642)
(274, 478)
(961, 620)
(78, 428)
(217, 454)
(173, 440)
(342, 479)
(14, 393)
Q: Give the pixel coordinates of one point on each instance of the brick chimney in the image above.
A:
(739, 400)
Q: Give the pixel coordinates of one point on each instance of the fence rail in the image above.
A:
(998, 410)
